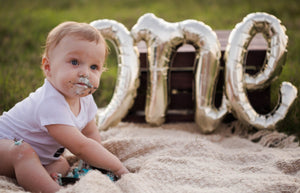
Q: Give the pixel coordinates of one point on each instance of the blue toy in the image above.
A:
(82, 170)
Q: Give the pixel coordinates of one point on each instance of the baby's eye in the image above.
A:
(74, 62)
(94, 67)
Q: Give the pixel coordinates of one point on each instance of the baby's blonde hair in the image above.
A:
(81, 30)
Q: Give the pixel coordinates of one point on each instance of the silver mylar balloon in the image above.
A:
(128, 72)
(236, 81)
(274, 33)
(208, 53)
(161, 37)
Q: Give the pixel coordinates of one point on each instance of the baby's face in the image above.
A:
(75, 66)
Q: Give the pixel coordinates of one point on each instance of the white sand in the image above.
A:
(177, 158)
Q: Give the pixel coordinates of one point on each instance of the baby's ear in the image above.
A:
(46, 66)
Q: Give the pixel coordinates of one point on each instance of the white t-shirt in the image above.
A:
(46, 106)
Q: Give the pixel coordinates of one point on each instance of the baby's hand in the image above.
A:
(121, 171)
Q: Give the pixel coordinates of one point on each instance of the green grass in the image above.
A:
(25, 23)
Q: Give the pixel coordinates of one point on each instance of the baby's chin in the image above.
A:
(83, 91)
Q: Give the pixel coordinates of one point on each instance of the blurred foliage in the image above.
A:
(25, 23)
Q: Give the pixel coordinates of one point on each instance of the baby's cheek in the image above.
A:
(96, 83)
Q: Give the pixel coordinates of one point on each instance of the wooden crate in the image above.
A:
(181, 82)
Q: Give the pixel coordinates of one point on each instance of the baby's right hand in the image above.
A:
(121, 171)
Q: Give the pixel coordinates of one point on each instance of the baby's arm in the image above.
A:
(86, 148)
(91, 131)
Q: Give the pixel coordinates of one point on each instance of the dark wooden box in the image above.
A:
(181, 82)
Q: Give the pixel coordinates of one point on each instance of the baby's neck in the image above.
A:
(74, 105)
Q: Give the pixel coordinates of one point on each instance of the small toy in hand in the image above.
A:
(82, 170)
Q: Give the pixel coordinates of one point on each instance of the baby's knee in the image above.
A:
(60, 166)
(63, 163)
(23, 150)
(65, 166)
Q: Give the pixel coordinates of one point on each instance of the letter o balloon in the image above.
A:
(128, 72)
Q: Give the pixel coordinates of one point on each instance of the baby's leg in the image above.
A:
(60, 166)
(21, 161)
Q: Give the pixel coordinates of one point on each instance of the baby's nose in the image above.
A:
(83, 71)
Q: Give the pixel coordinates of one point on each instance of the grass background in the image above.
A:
(25, 23)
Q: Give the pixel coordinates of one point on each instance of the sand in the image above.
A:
(178, 158)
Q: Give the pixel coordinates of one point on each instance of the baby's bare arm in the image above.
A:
(91, 131)
(86, 148)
